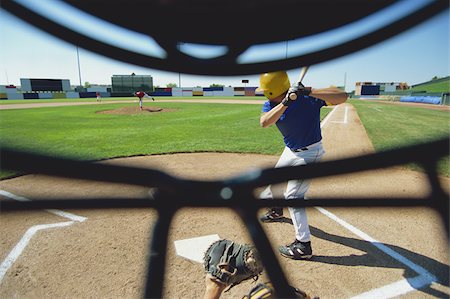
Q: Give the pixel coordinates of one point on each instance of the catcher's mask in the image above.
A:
(273, 84)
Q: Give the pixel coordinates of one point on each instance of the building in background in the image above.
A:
(376, 88)
(132, 83)
(44, 85)
(366, 88)
(98, 88)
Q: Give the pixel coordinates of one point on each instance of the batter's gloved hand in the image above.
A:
(300, 89)
(266, 291)
(230, 263)
(294, 92)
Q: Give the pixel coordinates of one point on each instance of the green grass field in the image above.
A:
(441, 86)
(393, 126)
(81, 133)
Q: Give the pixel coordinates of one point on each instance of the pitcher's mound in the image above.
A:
(135, 110)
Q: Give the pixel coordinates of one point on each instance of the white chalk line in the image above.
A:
(20, 247)
(376, 108)
(67, 215)
(325, 120)
(345, 121)
(397, 288)
(23, 243)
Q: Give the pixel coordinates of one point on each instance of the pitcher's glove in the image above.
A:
(230, 263)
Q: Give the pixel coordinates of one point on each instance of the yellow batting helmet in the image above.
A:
(273, 84)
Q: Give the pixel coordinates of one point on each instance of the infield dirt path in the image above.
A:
(357, 251)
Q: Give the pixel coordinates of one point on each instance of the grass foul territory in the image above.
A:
(393, 126)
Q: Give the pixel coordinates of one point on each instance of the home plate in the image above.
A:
(194, 248)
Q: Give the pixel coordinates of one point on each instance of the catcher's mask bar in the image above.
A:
(163, 48)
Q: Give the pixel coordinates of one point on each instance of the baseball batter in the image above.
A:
(295, 110)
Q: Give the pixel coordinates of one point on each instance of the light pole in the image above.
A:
(79, 69)
(6, 75)
(345, 80)
(179, 74)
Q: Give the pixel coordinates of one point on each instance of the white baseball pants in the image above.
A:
(296, 189)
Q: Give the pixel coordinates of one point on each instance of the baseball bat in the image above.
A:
(293, 96)
(302, 74)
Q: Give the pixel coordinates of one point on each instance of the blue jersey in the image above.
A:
(300, 122)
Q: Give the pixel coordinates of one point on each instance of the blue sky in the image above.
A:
(413, 57)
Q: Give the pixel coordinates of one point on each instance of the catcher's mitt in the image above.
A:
(230, 263)
(266, 291)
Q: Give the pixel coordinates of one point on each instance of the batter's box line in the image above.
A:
(67, 215)
(398, 288)
(345, 121)
(404, 286)
(23, 243)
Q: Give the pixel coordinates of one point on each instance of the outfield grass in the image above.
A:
(394, 126)
(81, 133)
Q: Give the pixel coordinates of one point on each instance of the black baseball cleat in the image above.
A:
(272, 215)
(297, 250)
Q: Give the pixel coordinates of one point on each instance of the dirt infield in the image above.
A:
(372, 252)
(135, 110)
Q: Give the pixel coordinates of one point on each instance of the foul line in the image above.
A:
(397, 288)
(23, 243)
(345, 117)
(325, 120)
(391, 290)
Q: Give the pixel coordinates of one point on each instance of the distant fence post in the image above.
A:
(445, 100)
